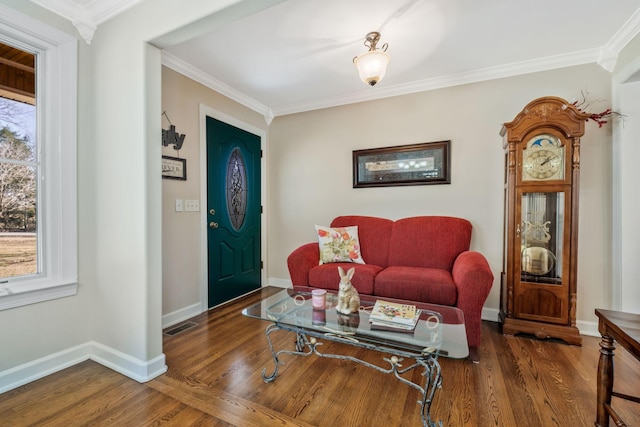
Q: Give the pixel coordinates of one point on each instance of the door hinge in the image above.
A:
(261, 265)
(260, 208)
(260, 153)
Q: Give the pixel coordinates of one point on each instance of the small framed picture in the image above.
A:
(416, 164)
(174, 168)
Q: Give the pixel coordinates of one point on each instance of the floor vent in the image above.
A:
(180, 328)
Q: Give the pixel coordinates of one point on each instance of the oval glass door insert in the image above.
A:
(236, 186)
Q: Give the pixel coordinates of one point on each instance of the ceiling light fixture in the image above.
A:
(372, 65)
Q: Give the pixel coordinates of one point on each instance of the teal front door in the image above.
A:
(233, 211)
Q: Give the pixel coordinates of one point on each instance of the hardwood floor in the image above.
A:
(214, 379)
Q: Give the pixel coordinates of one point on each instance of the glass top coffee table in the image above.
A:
(439, 332)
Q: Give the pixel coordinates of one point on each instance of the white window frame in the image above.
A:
(56, 88)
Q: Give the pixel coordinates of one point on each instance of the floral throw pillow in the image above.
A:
(339, 244)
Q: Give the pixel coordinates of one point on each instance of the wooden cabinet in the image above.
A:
(541, 189)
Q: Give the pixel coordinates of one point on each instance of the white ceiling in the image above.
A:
(297, 55)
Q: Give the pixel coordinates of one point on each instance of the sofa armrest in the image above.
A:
(474, 279)
(300, 261)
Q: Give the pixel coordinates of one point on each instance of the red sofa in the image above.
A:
(423, 259)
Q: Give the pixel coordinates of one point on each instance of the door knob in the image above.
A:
(213, 224)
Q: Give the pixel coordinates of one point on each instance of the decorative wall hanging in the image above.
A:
(416, 164)
(174, 168)
(170, 136)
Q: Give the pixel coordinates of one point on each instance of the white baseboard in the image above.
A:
(139, 370)
(490, 314)
(181, 315)
(143, 371)
(19, 375)
(188, 312)
(588, 328)
(278, 283)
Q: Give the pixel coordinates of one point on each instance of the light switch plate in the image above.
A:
(178, 205)
(192, 205)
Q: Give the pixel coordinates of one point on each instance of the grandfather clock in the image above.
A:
(541, 188)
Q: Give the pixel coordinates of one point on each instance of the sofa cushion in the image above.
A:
(429, 241)
(432, 285)
(339, 244)
(326, 276)
(374, 234)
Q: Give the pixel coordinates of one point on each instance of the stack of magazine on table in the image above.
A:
(392, 316)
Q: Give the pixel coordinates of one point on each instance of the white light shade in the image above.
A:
(372, 66)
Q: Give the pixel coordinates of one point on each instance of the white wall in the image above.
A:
(116, 316)
(127, 291)
(629, 297)
(626, 228)
(311, 168)
(39, 330)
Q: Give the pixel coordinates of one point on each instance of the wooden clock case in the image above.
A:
(543, 305)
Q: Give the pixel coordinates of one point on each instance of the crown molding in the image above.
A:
(86, 15)
(620, 39)
(490, 73)
(211, 82)
(484, 74)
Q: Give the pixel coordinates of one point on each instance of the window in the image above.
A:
(19, 168)
(50, 201)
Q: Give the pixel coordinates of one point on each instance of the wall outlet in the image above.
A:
(192, 205)
(178, 205)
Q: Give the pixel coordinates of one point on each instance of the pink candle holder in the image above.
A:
(318, 298)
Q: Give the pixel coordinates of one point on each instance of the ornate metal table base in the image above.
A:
(306, 346)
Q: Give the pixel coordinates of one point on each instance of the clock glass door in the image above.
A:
(542, 242)
(541, 237)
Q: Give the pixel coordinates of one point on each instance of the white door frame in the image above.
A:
(206, 111)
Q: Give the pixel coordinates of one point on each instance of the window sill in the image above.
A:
(17, 296)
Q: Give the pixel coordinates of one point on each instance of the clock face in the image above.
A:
(542, 164)
(543, 159)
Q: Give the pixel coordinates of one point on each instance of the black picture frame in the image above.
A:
(174, 168)
(426, 163)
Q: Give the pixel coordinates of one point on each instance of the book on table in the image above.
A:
(378, 326)
(394, 315)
